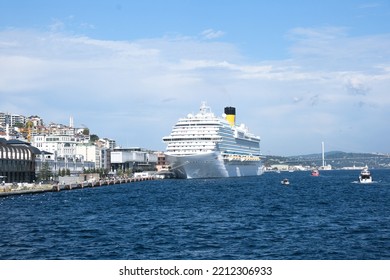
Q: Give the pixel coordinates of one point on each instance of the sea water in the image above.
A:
(327, 217)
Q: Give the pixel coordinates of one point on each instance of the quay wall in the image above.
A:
(24, 188)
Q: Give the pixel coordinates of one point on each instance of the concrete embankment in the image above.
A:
(24, 188)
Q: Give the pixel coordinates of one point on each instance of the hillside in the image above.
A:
(336, 159)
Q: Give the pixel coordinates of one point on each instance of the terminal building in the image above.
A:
(17, 161)
(135, 159)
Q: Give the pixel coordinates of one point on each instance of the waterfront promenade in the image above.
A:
(26, 188)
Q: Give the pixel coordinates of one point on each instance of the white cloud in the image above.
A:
(212, 34)
(134, 91)
(357, 87)
(57, 25)
(369, 5)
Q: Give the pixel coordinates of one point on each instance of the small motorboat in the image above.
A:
(285, 182)
(365, 176)
(315, 172)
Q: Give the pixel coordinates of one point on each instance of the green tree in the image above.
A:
(86, 131)
(19, 125)
(45, 172)
(93, 138)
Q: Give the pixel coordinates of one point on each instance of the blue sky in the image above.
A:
(298, 72)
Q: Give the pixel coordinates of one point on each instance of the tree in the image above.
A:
(45, 172)
(19, 125)
(93, 138)
(86, 131)
(62, 172)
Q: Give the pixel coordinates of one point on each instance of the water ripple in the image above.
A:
(235, 218)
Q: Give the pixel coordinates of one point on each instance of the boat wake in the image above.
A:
(373, 182)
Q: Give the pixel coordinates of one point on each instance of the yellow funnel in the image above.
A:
(230, 115)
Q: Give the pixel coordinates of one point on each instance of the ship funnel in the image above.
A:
(230, 113)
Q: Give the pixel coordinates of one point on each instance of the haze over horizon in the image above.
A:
(298, 72)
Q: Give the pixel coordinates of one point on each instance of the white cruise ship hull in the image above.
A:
(211, 165)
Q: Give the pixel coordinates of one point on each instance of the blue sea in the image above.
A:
(330, 217)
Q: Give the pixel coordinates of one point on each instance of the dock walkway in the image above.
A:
(25, 188)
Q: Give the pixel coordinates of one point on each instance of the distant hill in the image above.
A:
(337, 159)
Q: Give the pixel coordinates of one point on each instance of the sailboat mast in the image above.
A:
(323, 154)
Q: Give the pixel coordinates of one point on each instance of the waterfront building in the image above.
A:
(96, 153)
(63, 145)
(61, 139)
(56, 164)
(136, 159)
(107, 143)
(105, 159)
(280, 167)
(88, 152)
(161, 161)
(17, 161)
(105, 146)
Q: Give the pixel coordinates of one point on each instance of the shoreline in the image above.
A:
(10, 190)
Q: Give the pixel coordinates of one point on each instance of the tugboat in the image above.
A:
(365, 176)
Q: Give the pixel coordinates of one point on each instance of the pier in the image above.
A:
(24, 188)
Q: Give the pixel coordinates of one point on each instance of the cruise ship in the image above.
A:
(203, 145)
